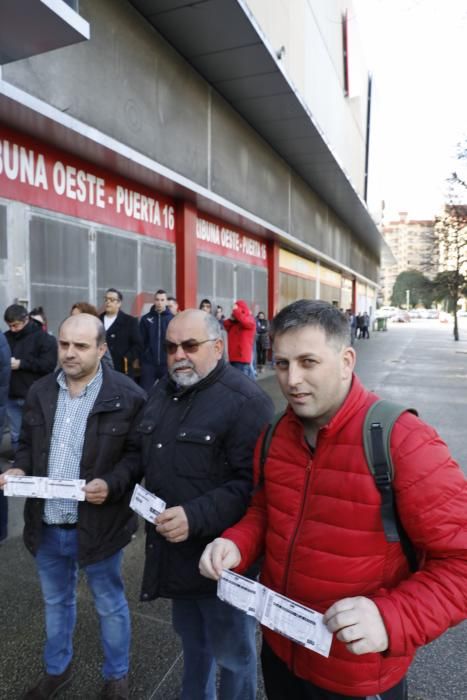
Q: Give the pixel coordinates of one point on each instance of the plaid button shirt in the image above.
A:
(67, 442)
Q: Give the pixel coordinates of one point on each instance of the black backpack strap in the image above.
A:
(265, 445)
(377, 428)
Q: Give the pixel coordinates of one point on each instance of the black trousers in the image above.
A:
(281, 684)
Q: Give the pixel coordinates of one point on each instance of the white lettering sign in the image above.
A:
(18, 163)
(25, 165)
(230, 240)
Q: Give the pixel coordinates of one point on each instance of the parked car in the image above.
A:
(401, 317)
(430, 313)
(386, 311)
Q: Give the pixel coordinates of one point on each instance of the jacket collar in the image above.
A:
(108, 399)
(164, 314)
(29, 328)
(211, 378)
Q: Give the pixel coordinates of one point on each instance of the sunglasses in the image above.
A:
(188, 346)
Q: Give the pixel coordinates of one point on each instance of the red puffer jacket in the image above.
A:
(318, 521)
(241, 333)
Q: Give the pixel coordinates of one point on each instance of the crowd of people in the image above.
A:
(159, 400)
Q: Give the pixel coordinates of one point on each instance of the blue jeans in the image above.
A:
(57, 566)
(212, 631)
(14, 410)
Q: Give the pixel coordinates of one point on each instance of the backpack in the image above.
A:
(377, 428)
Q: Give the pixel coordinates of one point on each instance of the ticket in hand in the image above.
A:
(283, 615)
(238, 591)
(146, 504)
(43, 487)
(295, 621)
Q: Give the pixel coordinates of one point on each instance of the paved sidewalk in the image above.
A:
(417, 364)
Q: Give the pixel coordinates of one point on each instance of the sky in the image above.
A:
(416, 51)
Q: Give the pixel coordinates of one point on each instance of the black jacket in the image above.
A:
(153, 327)
(37, 351)
(110, 452)
(5, 372)
(124, 342)
(197, 447)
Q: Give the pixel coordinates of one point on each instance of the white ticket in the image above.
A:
(238, 591)
(297, 622)
(43, 487)
(293, 620)
(146, 504)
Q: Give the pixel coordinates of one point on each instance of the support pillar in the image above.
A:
(273, 249)
(186, 263)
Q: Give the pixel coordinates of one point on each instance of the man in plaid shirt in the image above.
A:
(79, 423)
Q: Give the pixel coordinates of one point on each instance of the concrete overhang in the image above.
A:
(222, 41)
(24, 112)
(31, 27)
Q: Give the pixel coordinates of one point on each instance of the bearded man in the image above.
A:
(199, 430)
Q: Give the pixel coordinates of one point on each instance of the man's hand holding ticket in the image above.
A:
(295, 621)
(146, 504)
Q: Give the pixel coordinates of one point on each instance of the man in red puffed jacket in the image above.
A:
(241, 331)
(317, 521)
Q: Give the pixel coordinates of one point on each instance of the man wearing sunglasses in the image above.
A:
(198, 435)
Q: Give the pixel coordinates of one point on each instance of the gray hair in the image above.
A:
(212, 326)
(313, 312)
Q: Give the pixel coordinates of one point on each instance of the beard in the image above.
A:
(185, 378)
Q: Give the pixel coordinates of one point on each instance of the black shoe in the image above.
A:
(49, 686)
(115, 689)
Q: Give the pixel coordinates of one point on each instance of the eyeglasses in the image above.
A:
(188, 346)
(111, 299)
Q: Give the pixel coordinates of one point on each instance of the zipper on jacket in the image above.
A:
(297, 526)
(285, 580)
(159, 339)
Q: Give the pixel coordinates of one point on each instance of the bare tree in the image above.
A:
(451, 234)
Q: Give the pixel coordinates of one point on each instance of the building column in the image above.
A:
(273, 249)
(186, 262)
(354, 296)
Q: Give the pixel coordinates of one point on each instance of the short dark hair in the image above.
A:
(15, 312)
(313, 312)
(115, 291)
(170, 298)
(160, 291)
(204, 301)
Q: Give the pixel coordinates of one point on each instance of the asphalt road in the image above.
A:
(417, 364)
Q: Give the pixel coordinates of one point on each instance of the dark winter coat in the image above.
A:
(5, 371)
(197, 446)
(153, 327)
(124, 342)
(37, 351)
(262, 333)
(110, 452)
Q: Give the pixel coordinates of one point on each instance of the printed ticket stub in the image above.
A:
(297, 622)
(146, 504)
(291, 619)
(238, 591)
(43, 487)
